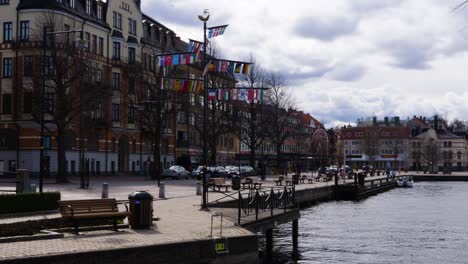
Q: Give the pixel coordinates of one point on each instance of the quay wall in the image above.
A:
(241, 249)
(440, 177)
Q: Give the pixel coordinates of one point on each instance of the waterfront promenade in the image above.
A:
(180, 218)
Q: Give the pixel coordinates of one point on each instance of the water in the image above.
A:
(425, 224)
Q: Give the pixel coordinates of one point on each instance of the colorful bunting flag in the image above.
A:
(238, 68)
(216, 31)
(211, 94)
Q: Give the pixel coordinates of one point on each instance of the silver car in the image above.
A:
(175, 172)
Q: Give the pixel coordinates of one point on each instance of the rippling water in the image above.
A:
(425, 224)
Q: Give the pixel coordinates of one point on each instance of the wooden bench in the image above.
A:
(279, 181)
(92, 209)
(288, 181)
(251, 183)
(317, 178)
(302, 179)
(218, 183)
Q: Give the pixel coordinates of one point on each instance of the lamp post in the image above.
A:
(205, 110)
(43, 90)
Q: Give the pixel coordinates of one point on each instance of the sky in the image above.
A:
(344, 59)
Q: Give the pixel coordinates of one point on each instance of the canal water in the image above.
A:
(425, 224)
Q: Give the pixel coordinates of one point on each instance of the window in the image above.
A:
(28, 66)
(116, 51)
(99, 76)
(7, 31)
(99, 11)
(49, 102)
(115, 112)
(94, 44)
(131, 55)
(88, 7)
(72, 3)
(131, 85)
(6, 103)
(27, 102)
(4, 2)
(7, 67)
(88, 39)
(101, 46)
(132, 26)
(50, 68)
(116, 81)
(117, 20)
(47, 142)
(24, 30)
(131, 115)
(66, 27)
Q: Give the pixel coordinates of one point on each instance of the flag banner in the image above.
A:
(194, 46)
(212, 94)
(238, 68)
(246, 68)
(216, 31)
(178, 59)
(182, 85)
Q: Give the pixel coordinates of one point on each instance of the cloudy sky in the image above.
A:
(344, 59)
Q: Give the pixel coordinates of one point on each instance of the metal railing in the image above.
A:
(254, 202)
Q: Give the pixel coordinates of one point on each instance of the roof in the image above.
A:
(79, 9)
(387, 132)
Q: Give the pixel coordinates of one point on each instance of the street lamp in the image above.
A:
(205, 110)
(44, 70)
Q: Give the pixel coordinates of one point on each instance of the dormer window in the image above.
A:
(88, 7)
(99, 11)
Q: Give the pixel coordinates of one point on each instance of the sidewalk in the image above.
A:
(180, 220)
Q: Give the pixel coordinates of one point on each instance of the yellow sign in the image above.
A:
(220, 247)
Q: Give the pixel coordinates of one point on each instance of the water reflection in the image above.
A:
(425, 224)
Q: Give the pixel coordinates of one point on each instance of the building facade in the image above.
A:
(94, 96)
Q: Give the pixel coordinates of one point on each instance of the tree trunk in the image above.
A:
(61, 156)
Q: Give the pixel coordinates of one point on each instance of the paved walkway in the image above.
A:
(180, 220)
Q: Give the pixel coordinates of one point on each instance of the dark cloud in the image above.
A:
(326, 28)
(411, 54)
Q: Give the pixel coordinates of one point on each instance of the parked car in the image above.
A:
(217, 171)
(176, 172)
(197, 172)
(322, 170)
(332, 169)
(346, 168)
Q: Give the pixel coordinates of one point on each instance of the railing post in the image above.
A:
(285, 198)
(272, 200)
(256, 204)
(239, 209)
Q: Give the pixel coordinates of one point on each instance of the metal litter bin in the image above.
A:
(141, 210)
(236, 183)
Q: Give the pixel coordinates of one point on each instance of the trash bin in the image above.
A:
(361, 179)
(141, 210)
(295, 178)
(236, 183)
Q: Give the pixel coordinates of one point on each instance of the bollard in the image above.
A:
(162, 190)
(199, 188)
(105, 190)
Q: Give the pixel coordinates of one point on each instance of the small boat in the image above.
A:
(409, 183)
(401, 182)
(405, 182)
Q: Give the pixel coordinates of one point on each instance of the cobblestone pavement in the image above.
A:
(180, 216)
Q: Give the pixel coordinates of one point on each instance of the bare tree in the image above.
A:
(252, 123)
(371, 143)
(65, 89)
(280, 125)
(432, 155)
